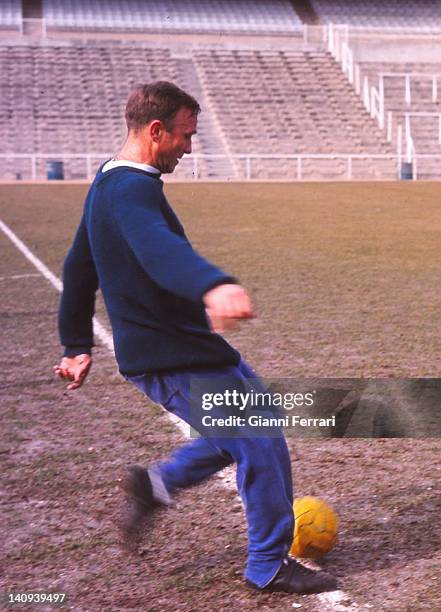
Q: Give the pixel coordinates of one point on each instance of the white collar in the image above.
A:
(113, 163)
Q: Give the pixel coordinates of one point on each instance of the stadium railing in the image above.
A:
(373, 97)
(354, 165)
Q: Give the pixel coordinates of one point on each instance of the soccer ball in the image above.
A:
(315, 531)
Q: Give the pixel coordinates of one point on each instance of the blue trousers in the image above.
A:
(263, 465)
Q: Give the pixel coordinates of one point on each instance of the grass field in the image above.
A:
(345, 281)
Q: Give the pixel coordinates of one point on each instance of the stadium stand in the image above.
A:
(71, 98)
(380, 14)
(245, 16)
(286, 102)
(10, 14)
(274, 106)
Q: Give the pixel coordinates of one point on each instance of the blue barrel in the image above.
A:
(55, 170)
(406, 173)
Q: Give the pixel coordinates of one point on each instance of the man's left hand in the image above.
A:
(74, 368)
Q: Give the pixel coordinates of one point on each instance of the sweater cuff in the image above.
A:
(73, 351)
(224, 280)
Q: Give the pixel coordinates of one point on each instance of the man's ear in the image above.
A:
(156, 129)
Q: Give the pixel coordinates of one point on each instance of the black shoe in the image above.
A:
(293, 577)
(138, 485)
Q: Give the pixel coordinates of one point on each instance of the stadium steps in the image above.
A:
(208, 139)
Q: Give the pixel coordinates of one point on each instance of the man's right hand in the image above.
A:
(74, 368)
(225, 304)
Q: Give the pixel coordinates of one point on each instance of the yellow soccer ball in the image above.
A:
(315, 531)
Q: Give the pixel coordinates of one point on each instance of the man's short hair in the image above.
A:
(160, 100)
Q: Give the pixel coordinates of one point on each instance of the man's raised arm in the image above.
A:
(170, 260)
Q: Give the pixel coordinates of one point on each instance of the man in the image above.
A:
(165, 304)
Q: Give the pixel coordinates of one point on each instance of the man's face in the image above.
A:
(173, 144)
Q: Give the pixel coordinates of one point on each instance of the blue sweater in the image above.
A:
(131, 244)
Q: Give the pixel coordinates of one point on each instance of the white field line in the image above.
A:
(99, 330)
(18, 276)
(333, 601)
